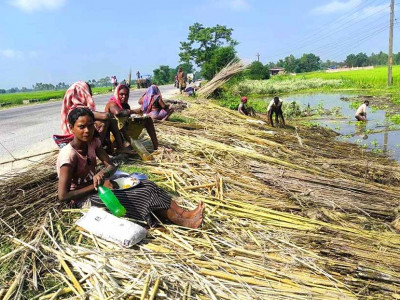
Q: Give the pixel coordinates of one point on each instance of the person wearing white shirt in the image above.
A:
(361, 113)
(275, 106)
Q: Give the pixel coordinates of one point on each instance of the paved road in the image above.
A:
(28, 130)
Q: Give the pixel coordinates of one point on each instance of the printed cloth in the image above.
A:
(152, 94)
(77, 95)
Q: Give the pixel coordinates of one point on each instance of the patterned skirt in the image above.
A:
(140, 201)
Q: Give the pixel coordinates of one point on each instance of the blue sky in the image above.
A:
(68, 40)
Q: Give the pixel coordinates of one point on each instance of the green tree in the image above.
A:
(163, 75)
(258, 71)
(351, 60)
(186, 67)
(2, 91)
(290, 63)
(361, 59)
(308, 63)
(202, 42)
(219, 58)
(378, 59)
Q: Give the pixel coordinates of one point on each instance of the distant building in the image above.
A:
(276, 71)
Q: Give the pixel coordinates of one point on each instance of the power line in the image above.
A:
(307, 40)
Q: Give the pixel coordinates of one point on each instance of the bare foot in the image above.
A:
(197, 219)
(194, 212)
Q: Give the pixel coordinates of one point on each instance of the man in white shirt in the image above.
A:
(275, 106)
(361, 113)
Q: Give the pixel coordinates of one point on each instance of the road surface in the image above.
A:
(28, 130)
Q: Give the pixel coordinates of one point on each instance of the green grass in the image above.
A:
(181, 119)
(17, 98)
(360, 79)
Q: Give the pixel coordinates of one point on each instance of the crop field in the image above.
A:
(373, 78)
(18, 98)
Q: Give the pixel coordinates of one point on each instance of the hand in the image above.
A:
(108, 184)
(99, 126)
(98, 179)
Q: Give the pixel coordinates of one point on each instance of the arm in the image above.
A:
(64, 182)
(162, 104)
(240, 108)
(119, 112)
(101, 116)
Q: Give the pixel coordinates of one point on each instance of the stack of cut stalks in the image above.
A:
(223, 76)
(290, 214)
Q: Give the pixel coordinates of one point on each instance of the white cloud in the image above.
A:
(336, 6)
(36, 5)
(9, 53)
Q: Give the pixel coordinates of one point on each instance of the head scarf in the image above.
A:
(244, 99)
(153, 93)
(77, 95)
(115, 99)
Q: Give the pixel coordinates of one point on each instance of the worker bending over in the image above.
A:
(275, 106)
(361, 113)
(244, 110)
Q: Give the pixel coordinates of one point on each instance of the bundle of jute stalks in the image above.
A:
(290, 213)
(231, 69)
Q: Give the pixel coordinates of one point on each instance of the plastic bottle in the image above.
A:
(111, 201)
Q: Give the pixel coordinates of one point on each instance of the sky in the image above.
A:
(53, 41)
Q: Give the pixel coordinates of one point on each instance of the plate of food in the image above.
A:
(124, 183)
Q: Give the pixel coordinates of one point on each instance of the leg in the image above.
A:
(151, 130)
(181, 217)
(269, 118)
(169, 112)
(113, 125)
(281, 116)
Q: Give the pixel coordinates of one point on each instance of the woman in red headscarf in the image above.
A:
(119, 107)
(79, 94)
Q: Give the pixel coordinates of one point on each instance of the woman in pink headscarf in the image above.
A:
(79, 94)
(119, 107)
(153, 104)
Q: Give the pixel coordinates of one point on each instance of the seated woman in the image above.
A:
(78, 179)
(79, 94)
(119, 107)
(153, 104)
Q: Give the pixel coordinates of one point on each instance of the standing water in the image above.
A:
(379, 133)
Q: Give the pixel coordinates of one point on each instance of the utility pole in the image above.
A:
(258, 54)
(390, 54)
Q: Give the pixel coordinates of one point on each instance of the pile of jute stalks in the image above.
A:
(290, 213)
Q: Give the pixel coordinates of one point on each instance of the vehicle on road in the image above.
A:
(144, 81)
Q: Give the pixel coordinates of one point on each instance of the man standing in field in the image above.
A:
(275, 106)
(361, 113)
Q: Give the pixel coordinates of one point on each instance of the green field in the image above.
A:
(17, 98)
(360, 79)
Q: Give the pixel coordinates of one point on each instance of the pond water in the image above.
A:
(379, 133)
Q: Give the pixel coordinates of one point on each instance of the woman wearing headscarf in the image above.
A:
(79, 179)
(119, 107)
(79, 94)
(153, 105)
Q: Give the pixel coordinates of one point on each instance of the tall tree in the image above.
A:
(163, 75)
(308, 63)
(219, 58)
(203, 41)
(258, 71)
